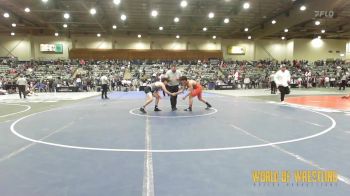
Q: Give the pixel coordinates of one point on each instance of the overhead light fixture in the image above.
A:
(183, 3)
(211, 15)
(66, 16)
(14, 24)
(302, 8)
(139, 36)
(342, 54)
(246, 5)
(283, 38)
(286, 30)
(177, 36)
(117, 2)
(56, 34)
(161, 28)
(176, 19)
(13, 33)
(65, 25)
(323, 31)
(123, 17)
(27, 9)
(154, 13)
(205, 28)
(214, 36)
(6, 15)
(45, 1)
(246, 29)
(249, 37)
(226, 20)
(317, 22)
(114, 26)
(92, 11)
(98, 35)
(273, 21)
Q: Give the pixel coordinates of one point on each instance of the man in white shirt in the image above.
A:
(173, 85)
(282, 80)
(22, 83)
(104, 83)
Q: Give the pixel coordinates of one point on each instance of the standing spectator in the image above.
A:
(343, 82)
(173, 85)
(246, 82)
(326, 82)
(22, 83)
(104, 83)
(273, 83)
(282, 79)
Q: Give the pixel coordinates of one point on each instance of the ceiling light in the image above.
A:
(117, 2)
(66, 16)
(317, 22)
(27, 9)
(56, 34)
(114, 26)
(273, 21)
(323, 31)
(183, 4)
(65, 25)
(286, 30)
(92, 11)
(226, 20)
(14, 25)
(176, 19)
(123, 17)
(283, 38)
(211, 15)
(12, 33)
(342, 54)
(177, 36)
(205, 29)
(161, 28)
(45, 1)
(214, 36)
(249, 37)
(139, 36)
(302, 8)
(98, 35)
(6, 15)
(246, 5)
(246, 29)
(154, 13)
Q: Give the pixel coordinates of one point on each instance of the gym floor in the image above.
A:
(106, 147)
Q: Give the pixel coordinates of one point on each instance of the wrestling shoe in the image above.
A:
(143, 110)
(157, 110)
(208, 106)
(188, 110)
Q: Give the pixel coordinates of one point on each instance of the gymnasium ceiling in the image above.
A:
(47, 18)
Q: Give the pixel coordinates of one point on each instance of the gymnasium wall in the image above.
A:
(27, 47)
(318, 49)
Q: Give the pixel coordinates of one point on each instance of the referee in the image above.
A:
(173, 85)
(104, 82)
(22, 83)
(282, 79)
